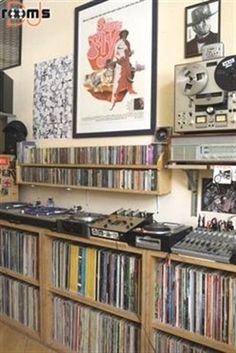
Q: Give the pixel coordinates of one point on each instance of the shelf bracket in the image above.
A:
(193, 178)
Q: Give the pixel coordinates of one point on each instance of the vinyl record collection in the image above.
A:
(19, 252)
(108, 178)
(170, 344)
(103, 275)
(86, 330)
(140, 154)
(197, 299)
(20, 302)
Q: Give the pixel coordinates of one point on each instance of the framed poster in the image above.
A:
(115, 63)
(202, 26)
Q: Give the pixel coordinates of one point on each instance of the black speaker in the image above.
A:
(15, 132)
(163, 134)
(6, 93)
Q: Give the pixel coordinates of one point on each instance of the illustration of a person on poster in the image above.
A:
(115, 79)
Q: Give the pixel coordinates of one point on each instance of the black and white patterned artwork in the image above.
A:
(52, 101)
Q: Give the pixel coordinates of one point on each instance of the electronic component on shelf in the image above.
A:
(203, 148)
(119, 223)
(158, 235)
(78, 223)
(39, 216)
(212, 245)
(13, 205)
(205, 95)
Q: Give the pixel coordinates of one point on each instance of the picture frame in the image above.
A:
(115, 68)
(202, 26)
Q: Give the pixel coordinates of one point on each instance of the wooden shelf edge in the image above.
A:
(195, 337)
(187, 166)
(19, 276)
(88, 188)
(97, 242)
(194, 261)
(92, 166)
(97, 305)
(19, 327)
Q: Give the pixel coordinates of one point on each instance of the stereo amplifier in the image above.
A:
(207, 148)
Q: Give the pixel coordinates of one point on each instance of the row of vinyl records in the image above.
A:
(109, 178)
(143, 154)
(83, 329)
(103, 275)
(197, 299)
(170, 344)
(20, 302)
(19, 252)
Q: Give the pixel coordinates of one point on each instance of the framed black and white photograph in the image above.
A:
(202, 26)
(115, 68)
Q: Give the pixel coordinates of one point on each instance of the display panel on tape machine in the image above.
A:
(205, 95)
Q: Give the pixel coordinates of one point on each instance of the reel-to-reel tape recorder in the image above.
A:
(205, 95)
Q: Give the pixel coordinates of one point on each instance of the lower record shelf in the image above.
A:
(97, 305)
(77, 327)
(194, 337)
(19, 327)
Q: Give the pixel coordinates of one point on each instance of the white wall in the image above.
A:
(54, 38)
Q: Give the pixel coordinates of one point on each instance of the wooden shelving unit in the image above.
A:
(144, 317)
(155, 325)
(136, 178)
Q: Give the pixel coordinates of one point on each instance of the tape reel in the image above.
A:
(225, 73)
(192, 79)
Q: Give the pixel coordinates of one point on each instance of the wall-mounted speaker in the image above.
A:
(6, 93)
(163, 134)
(15, 132)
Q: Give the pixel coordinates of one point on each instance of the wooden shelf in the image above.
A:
(143, 318)
(97, 242)
(90, 188)
(19, 327)
(195, 261)
(127, 315)
(19, 276)
(194, 337)
(136, 174)
(89, 166)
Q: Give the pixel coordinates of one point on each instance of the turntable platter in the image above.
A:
(156, 228)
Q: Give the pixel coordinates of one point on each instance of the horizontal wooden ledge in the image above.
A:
(91, 166)
(97, 242)
(206, 166)
(187, 166)
(19, 276)
(89, 188)
(194, 260)
(124, 314)
(195, 337)
(26, 330)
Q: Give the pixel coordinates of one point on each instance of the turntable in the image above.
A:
(78, 223)
(13, 205)
(40, 216)
(158, 235)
